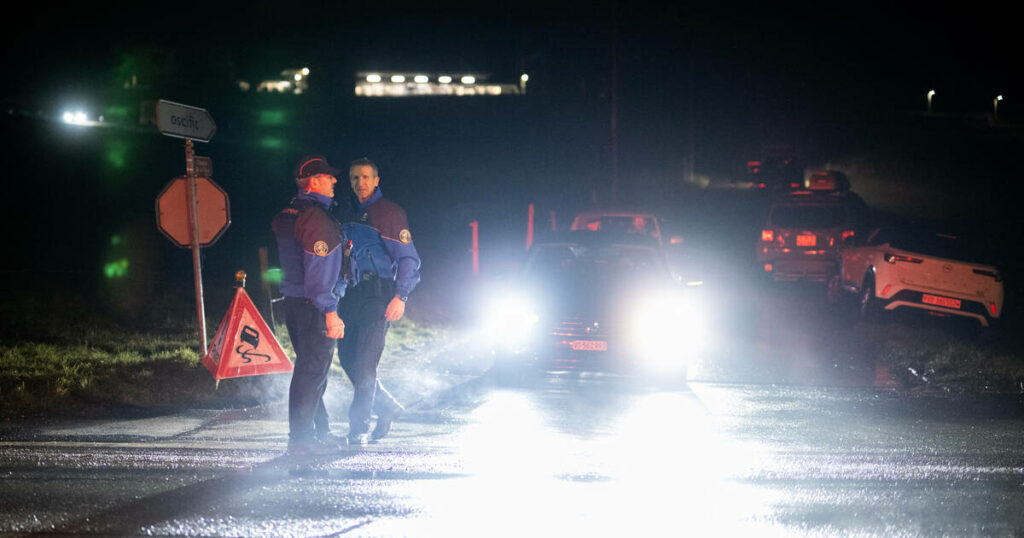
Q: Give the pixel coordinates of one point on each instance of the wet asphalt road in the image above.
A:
(558, 456)
(785, 428)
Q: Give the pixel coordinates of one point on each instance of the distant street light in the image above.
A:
(931, 93)
(995, 107)
(522, 83)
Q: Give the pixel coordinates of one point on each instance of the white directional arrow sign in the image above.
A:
(183, 121)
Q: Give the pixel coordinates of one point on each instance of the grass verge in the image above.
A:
(71, 361)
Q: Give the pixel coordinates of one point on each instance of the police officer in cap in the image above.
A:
(381, 270)
(309, 243)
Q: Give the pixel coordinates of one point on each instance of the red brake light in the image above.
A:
(885, 290)
(992, 308)
(847, 234)
(760, 185)
(893, 258)
(768, 235)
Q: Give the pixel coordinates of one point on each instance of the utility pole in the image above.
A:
(691, 152)
(614, 157)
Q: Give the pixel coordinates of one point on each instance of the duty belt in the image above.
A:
(369, 275)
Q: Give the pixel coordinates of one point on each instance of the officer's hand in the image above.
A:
(335, 327)
(395, 310)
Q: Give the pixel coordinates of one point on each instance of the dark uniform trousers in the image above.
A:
(362, 309)
(313, 353)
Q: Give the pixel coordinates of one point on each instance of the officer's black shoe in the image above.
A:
(358, 439)
(310, 448)
(331, 440)
(384, 421)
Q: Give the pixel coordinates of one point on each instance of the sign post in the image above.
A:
(190, 123)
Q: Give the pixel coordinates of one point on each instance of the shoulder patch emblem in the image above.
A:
(404, 236)
(320, 248)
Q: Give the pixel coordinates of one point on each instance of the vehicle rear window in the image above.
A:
(938, 245)
(808, 216)
(622, 224)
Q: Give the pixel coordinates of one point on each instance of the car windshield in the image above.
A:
(808, 216)
(594, 264)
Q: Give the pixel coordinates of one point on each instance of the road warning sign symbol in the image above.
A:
(244, 344)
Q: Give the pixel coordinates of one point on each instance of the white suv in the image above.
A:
(916, 268)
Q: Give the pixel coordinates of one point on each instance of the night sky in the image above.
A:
(836, 82)
(852, 52)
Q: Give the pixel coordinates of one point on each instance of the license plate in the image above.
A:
(806, 240)
(589, 345)
(940, 301)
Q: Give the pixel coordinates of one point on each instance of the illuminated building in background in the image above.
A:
(417, 84)
(292, 81)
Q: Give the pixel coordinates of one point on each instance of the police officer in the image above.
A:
(309, 243)
(382, 268)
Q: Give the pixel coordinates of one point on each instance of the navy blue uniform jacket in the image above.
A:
(308, 238)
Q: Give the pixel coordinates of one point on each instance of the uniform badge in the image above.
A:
(404, 236)
(320, 248)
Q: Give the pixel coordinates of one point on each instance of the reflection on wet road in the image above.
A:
(559, 456)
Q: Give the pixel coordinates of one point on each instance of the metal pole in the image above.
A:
(529, 227)
(614, 157)
(193, 222)
(475, 250)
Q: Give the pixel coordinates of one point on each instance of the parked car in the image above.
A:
(828, 180)
(918, 268)
(803, 231)
(617, 221)
(594, 301)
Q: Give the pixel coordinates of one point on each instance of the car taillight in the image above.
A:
(847, 234)
(760, 185)
(893, 258)
(768, 235)
(994, 274)
(885, 291)
(992, 308)
(768, 267)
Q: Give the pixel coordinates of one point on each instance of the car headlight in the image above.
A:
(667, 330)
(510, 321)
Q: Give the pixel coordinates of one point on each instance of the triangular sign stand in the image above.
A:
(244, 344)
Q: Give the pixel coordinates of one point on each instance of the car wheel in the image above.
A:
(834, 291)
(869, 304)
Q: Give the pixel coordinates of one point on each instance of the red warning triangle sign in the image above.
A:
(244, 344)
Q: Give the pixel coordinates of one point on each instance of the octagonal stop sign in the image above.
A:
(214, 211)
